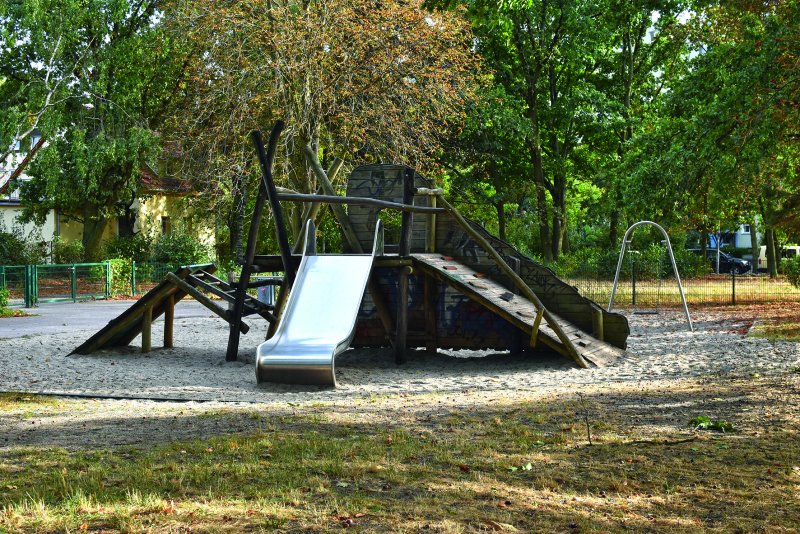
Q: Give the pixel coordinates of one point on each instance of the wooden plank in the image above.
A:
(169, 320)
(207, 302)
(147, 328)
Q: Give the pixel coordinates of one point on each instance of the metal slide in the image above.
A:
(319, 321)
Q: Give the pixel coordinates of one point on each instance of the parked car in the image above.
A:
(787, 252)
(726, 263)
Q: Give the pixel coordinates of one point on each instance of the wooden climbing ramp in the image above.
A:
(516, 309)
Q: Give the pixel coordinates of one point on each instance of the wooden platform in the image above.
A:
(514, 308)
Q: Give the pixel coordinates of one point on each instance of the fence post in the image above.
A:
(74, 282)
(633, 283)
(26, 290)
(133, 278)
(108, 278)
(733, 286)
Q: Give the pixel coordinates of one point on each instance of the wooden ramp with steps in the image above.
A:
(515, 308)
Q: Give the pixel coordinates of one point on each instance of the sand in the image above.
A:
(660, 347)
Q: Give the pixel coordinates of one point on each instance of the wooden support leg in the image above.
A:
(597, 323)
(430, 314)
(402, 318)
(536, 323)
(383, 309)
(169, 319)
(280, 302)
(147, 324)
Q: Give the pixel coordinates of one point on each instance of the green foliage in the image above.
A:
(179, 248)
(136, 247)
(115, 68)
(18, 249)
(5, 298)
(64, 252)
(791, 269)
(702, 422)
(120, 272)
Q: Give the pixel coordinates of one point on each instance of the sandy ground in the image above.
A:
(659, 347)
(168, 392)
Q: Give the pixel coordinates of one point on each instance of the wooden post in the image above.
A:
(169, 319)
(526, 291)
(597, 323)
(430, 227)
(280, 304)
(430, 314)
(406, 221)
(147, 325)
(516, 338)
(266, 190)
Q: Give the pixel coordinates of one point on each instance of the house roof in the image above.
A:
(151, 182)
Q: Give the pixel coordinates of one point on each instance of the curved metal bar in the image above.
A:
(625, 241)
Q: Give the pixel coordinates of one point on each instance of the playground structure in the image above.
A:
(447, 283)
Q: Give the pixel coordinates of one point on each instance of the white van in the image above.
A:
(787, 252)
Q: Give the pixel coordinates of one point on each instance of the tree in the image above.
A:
(364, 81)
(728, 135)
(103, 124)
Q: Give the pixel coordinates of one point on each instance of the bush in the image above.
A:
(179, 248)
(791, 268)
(64, 252)
(137, 248)
(120, 272)
(5, 298)
(18, 249)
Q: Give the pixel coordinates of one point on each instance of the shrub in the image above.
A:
(64, 252)
(120, 272)
(791, 268)
(137, 248)
(5, 298)
(179, 248)
(18, 249)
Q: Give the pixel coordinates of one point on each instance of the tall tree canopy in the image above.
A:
(102, 124)
(362, 80)
(725, 142)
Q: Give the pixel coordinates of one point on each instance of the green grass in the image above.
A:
(506, 463)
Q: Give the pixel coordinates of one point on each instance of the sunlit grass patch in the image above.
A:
(515, 464)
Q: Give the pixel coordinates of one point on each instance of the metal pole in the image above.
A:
(733, 286)
(74, 280)
(133, 278)
(633, 282)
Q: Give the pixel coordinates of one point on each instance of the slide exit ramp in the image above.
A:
(319, 321)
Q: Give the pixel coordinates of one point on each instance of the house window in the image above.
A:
(166, 225)
(745, 228)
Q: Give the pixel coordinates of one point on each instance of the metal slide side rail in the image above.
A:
(319, 321)
(625, 241)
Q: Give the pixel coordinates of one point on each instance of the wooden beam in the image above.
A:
(430, 313)
(147, 328)
(280, 304)
(266, 191)
(526, 291)
(311, 210)
(207, 302)
(169, 319)
(430, 224)
(359, 201)
(597, 322)
(251, 305)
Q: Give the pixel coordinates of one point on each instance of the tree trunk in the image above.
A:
(754, 244)
(93, 226)
(772, 264)
(499, 204)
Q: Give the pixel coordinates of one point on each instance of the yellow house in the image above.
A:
(157, 209)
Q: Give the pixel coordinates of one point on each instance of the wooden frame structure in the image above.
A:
(440, 255)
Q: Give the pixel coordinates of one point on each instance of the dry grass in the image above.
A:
(463, 463)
